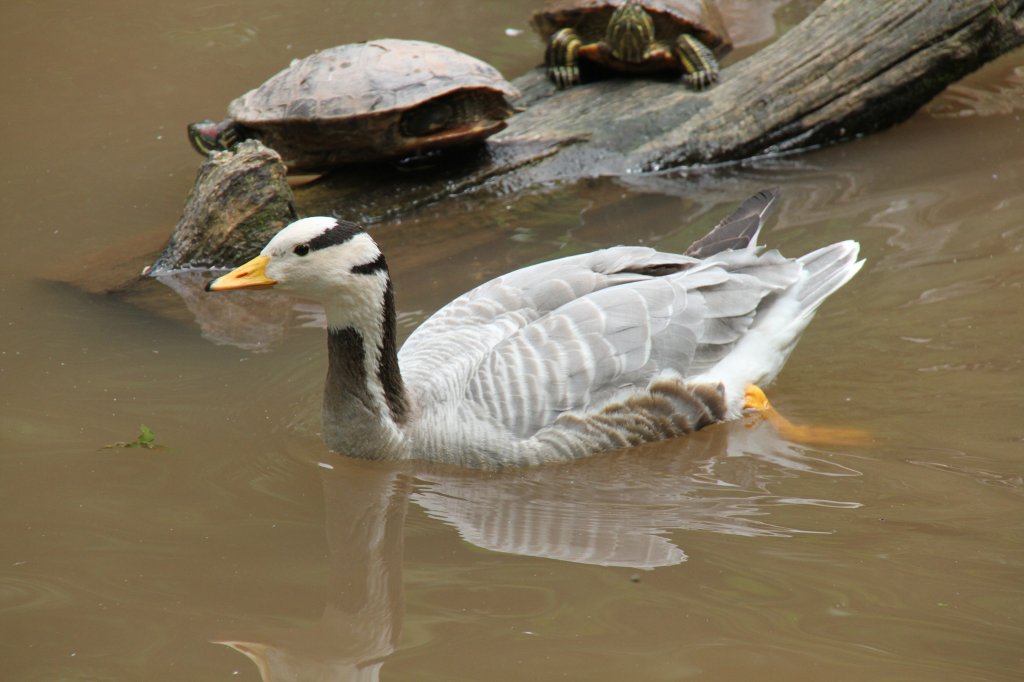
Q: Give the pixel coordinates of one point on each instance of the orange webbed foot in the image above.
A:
(755, 399)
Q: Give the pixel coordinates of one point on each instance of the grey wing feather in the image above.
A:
(488, 314)
(570, 334)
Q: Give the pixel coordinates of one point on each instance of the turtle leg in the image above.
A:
(562, 58)
(700, 68)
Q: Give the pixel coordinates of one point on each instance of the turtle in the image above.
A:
(633, 36)
(382, 99)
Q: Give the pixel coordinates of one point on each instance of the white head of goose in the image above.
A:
(555, 361)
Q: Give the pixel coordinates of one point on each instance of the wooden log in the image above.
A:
(849, 69)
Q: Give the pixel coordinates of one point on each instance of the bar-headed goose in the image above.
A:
(555, 361)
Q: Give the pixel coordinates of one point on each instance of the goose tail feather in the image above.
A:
(739, 230)
(827, 269)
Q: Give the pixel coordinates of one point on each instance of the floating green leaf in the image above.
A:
(146, 439)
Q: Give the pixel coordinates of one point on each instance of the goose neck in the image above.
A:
(365, 402)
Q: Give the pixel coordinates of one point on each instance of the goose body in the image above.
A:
(555, 361)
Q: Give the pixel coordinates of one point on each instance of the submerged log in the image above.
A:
(849, 69)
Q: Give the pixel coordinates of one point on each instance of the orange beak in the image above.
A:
(252, 275)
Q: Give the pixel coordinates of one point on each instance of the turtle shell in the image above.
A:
(671, 18)
(379, 99)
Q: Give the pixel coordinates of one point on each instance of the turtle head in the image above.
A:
(207, 136)
(630, 32)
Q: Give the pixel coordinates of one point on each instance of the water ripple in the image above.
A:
(22, 593)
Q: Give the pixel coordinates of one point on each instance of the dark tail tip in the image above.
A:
(739, 229)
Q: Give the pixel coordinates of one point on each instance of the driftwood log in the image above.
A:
(849, 69)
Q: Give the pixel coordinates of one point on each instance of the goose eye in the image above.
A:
(301, 249)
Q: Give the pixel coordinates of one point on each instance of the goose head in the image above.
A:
(337, 264)
(330, 261)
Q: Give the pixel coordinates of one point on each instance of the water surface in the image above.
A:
(242, 550)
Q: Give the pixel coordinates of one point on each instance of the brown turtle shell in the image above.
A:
(672, 18)
(374, 100)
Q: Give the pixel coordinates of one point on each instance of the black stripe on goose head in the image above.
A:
(342, 232)
(376, 265)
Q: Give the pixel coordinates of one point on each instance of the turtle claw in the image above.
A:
(565, 76)
(562, 58)
(701, 80)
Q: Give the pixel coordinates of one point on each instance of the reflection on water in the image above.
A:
(255, 321)
(364, 506)
(620, 510)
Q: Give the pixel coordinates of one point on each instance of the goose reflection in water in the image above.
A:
(625, 510)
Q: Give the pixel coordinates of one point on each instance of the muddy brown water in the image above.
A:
(242, 550)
